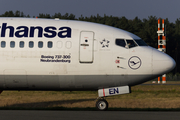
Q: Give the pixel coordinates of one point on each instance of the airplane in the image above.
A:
(72, 55)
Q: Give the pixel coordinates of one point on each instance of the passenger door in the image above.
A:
(86, 53)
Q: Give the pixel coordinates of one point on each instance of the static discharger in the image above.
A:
(161, 43)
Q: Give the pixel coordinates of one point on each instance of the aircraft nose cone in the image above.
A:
(162, 63)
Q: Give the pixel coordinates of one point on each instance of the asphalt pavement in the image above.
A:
(87, 115)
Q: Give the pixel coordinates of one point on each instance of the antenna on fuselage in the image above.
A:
(161, 43)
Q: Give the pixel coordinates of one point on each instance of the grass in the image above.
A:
(143, 97)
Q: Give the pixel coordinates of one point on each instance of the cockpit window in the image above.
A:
(126, 43)
(131, 43)
(120, 42)
(140, 42)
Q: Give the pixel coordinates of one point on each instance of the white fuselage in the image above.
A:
(41, 54)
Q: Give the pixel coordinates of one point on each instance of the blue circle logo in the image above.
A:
(134, 62)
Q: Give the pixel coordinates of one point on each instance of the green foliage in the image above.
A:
(13, 14)
(146, 28)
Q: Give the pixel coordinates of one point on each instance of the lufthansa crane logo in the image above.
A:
(134, 62)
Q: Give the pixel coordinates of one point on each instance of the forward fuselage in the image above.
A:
(40, 54)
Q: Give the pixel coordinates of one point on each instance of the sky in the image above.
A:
(129, 8)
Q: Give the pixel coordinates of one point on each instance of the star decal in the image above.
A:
(105, 43)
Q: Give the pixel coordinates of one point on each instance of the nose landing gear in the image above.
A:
(102, 104)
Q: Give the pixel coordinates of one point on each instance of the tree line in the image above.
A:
(145, 28)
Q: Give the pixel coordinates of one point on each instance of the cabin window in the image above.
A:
(31, 44)
(131, 43)
(3, 44)
(50, 44)
(12, 44)
(120, 42)
(68, 44)
(40, 44)
(59, 44)
(21, 44)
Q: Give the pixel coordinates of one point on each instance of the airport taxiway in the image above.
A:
(87, 115)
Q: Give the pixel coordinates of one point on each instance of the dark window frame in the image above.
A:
(120, 42)
(3, 44)
(31, 44)
(12, 44)
(50, 44)
(40, 44)
(21, 44)
(131, 43)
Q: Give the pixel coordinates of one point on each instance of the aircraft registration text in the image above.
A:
(56, 58)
